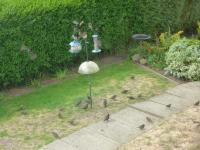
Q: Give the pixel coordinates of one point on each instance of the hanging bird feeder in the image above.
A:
(88, 67)
(75, 46)
(96, 44)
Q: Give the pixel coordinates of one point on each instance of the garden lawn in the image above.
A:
(27, 121)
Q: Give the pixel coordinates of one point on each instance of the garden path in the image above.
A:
(124, 125)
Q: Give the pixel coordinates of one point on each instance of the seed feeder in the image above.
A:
(87, 67)
(75, 47)
(96, 44)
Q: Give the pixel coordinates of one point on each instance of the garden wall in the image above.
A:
(45, 28)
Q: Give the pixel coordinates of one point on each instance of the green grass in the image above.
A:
(66, 92)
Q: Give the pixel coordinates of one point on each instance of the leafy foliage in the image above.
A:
(183, 59)
(44, 27)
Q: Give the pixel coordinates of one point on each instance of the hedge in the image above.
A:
(45, 27)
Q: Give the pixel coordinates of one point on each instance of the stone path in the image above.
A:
(123, 126)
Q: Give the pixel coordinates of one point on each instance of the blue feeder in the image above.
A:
(75, 46)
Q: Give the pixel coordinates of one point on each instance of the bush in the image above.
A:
(183, 59)
(45, 27)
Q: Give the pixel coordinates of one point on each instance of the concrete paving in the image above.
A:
(123, 125)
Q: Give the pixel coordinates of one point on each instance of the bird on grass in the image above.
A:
(60, 115)
(149, 119)
(131, 97)
(168, 105)
(73, 122)
(114, 97)
(124, 92)
(21, 108)
(105, 103)
(55, 134)
(197, 103)
(85, 106)
(141, 127)
(132, 77)
(107, 117)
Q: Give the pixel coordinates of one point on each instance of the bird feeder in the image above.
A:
(75, 46)
(96, 44)
(88, 67)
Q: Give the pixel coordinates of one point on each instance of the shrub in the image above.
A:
(45, 27)
(183, 59)
(61, 74)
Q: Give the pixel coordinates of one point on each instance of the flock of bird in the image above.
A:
(142, 126)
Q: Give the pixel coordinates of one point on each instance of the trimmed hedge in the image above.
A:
(45, 27)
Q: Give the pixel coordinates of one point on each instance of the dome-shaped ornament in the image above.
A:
(88, 67)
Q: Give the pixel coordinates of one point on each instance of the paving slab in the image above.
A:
(175, 101)
(87, 140)
(187, 91)
(153, 108)
(123, 125)
(58, 145)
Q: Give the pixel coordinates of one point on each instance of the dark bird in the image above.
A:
(141, 126)
(132, 77)
(73, 122)
(105, 103)
(60, 115)
(62, 109)
(89, 99)
(131, 97)
(21, 108)
(124, 92)
(149, 119)
(85, 106)
(24, 112)
(78, 103)
(107, 117)
(114, 97)
(196, 122)
(168, 105)
(197, 103)
(55, 134)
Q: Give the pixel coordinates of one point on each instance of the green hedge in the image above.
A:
(45, 27)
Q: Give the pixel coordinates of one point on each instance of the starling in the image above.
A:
(141, 126)
(124, 92)
(73, 122)
(197, 103)
(132, 77)
(149, 119)
(21, 108)
(131, 97)
(62, 109)
(78, 103)
(168, 105)
(85, 106)
(105, 103)
(196, 122)
(107, 117)
(60, 115)
(114, 97)
(55, 134)
(24, 112)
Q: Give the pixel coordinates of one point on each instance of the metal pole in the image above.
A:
(89, 79)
